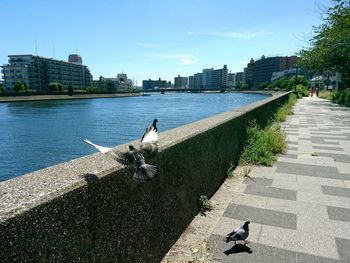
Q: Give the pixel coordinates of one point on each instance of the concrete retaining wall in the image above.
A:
(91, 210)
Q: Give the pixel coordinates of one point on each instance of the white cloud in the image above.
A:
(147, 45)
(237, 35)
(183, 59)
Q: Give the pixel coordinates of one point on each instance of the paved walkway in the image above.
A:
(299, 207)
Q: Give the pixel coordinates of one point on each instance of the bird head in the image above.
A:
(155, 121)
(131, 148)
(246, 224)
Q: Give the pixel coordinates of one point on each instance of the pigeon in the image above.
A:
(135, 156)
(240, 233)
(152, 126)
(143, 171)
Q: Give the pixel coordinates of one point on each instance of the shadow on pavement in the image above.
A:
(239, 248)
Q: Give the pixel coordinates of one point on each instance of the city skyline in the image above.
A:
(153, 39)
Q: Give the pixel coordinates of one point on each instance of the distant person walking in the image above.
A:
(317, 91)
(312, 92)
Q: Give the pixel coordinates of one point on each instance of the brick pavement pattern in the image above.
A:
(299, 208)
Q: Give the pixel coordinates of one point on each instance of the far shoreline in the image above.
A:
(65, 97)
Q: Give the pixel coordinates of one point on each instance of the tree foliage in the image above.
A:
(20, 86)
(330, 46)
(55, 86)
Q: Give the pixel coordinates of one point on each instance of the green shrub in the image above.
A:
(325, 94)
(282, 112)
(302, 91)
(342, 97)
(262, 144)
(205, 203)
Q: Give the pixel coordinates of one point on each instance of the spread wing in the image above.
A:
(150, 135)
(102, 149)
(125, 158)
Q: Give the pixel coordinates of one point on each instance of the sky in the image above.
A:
(151, 39)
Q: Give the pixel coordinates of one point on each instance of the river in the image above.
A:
(38, 134)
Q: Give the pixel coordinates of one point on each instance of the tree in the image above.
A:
(19, 86)
(330, 46)
(55, 86)
(2, 87)
(70, 90)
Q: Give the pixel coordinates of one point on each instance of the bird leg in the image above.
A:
(246, 242)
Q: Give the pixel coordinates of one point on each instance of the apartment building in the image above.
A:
(38, 72)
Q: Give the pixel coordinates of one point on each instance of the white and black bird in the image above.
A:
(135, 156)
(153, 126)
(240, 233)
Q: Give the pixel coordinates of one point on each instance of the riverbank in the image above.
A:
(66, 97)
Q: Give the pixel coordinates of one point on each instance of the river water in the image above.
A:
(34, 135)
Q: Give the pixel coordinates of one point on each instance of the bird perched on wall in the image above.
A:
(135, 156)
(240, 233)
(153, 126)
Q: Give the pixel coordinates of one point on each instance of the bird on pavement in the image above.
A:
(135, 156)
(240, 233)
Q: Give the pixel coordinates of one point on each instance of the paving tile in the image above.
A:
(339, 214)
(291, 148)
(310, 170)
(249, 200)
(344, 158)
(299, 241)
(296, 186)
(343, 246)
(337, 191)
(290, 155)
(297, 207)
(307, 258)
(301, 179)
(270, 192)
(285, 177)
(327, 148)
(327, 200)
(322, 140)
(319, 226)
(257, 180)
(261, 216)
(253, 252)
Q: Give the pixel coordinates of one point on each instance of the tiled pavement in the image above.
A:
(299, 207)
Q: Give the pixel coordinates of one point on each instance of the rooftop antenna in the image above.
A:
(76, 48)
(54, 52)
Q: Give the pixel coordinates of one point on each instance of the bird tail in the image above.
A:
(151, 136)
(102, 149)
(146, 172)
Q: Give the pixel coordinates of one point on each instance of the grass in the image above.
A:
(285, 110)
(262, 145)
(205, 203)
(246, 171)
(325, 94)
(342, 97)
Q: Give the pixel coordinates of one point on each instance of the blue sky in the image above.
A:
(157, 38)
